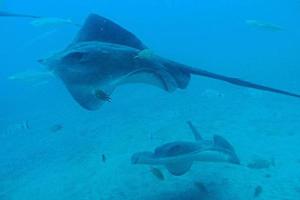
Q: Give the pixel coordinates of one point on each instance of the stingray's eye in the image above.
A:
(74, 57)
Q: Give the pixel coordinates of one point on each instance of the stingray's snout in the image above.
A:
(50, 62)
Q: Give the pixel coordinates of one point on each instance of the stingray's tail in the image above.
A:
(236, 81)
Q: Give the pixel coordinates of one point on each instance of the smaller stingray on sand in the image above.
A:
(178, 156)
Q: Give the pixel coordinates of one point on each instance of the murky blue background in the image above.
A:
(38, 163)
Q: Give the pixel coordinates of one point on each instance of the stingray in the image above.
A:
(179, 156)
(104, 56)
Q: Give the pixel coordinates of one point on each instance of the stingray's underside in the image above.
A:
(86, 94)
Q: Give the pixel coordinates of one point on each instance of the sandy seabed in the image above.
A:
(40, 164)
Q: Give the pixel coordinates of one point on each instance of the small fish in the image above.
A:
(51, 22)
(257, 192)
(157, 173)
(17, 127)
(103, 158)
(8, 14)
(201, 187)
(26, 125)
(56, 127)
(264, 25)
(261, 163)
(40, 21)
(32, 76)
(102, 95)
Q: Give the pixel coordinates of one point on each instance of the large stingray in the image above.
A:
(178, 157)
(105, 55)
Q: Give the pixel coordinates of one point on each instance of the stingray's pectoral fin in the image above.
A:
(179, 168)
(97, 28)
(88, 97)
(222, 144)
(236, 81)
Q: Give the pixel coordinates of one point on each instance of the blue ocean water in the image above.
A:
(51, 148)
